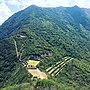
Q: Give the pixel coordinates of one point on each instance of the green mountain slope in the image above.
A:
(52, 33)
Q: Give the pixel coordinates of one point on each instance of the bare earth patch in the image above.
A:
(37, 73)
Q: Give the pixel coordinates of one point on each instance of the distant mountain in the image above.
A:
(52, 33)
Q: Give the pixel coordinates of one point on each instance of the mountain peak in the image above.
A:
(76, 6)
(33, 5)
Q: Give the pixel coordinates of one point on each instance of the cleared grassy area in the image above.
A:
(35, 72)
(33, 62)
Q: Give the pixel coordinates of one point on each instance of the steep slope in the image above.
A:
(66, 28)
(52, 33)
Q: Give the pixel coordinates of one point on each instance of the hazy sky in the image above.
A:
(8, 7)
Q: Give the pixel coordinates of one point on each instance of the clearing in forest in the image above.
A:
(33, 62)
(37, 73)
(34, 71)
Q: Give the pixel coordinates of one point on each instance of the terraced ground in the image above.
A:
(33, 70)
(54, 70)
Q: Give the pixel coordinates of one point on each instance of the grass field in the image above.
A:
(33, 62)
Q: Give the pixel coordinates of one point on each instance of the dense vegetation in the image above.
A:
(53, 33)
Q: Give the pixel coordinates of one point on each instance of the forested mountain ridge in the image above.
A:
(53, 33)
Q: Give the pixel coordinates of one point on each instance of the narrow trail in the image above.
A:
(30, 65)
(17, 53)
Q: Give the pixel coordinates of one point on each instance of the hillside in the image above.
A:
(53, 34)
